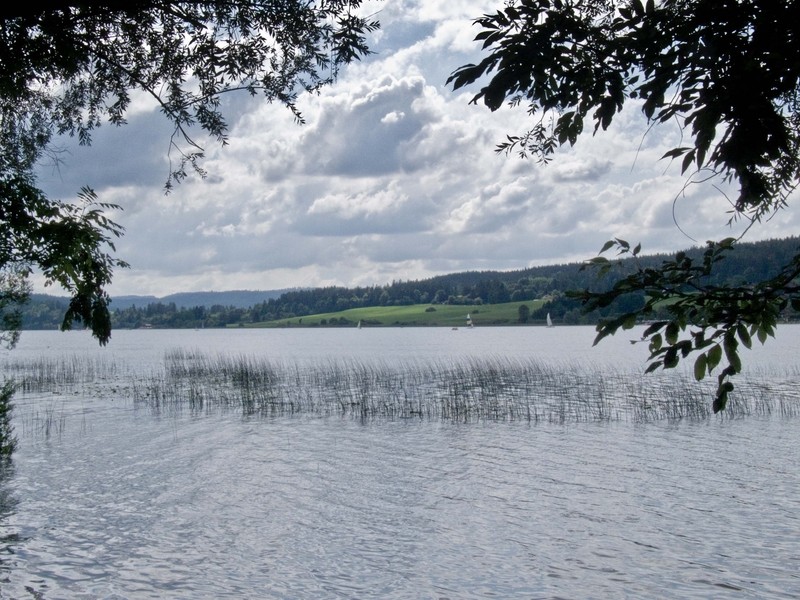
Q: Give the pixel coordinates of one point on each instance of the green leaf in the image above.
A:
(730, 346)
(687, 160)
(629, 321)
(655, 343)
(713, 356)
(607, 245)
(671, 333)
(671, 358)
(700, 367)
(744, 335)
(653, 328)
(721, 401)
(675, 152)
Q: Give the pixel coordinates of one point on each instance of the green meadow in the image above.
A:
(415, 315)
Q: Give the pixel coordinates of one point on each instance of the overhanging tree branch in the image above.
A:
(727, 73)
(67, 66)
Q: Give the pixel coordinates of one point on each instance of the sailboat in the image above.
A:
(359, 324)
(549, 320)
(469, 321)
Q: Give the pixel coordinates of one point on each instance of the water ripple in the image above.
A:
(135, 504)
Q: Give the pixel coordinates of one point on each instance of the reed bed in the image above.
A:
(487, 389)
(47, 374)
(497, 389)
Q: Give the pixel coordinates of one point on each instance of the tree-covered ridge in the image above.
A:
(747, 263)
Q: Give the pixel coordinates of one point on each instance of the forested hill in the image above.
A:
(747, 263)
(235, 298)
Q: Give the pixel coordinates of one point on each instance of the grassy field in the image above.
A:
(414, 315)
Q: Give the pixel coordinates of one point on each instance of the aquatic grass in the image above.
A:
(44, 419)
(51, 374)
(460, 390)
(489, 388)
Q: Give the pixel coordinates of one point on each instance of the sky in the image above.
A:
(394, 176)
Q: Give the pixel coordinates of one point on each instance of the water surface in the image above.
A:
(118, 501)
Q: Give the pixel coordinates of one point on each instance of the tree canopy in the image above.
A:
(727, 74)
(68, 66)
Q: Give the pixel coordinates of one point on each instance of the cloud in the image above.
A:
(365, 131)
(132, 154)
(590, 169)
(393, 176)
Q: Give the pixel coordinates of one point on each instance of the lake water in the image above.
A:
(108, 498)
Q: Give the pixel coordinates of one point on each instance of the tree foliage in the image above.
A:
(66, 242)
(8, 441)
(14, 293)
(68, 66)
(682, 296)
(725, 72)
(524, 313)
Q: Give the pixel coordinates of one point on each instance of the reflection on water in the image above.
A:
(117, 502)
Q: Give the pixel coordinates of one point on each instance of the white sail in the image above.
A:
(469, 320)
(549, 320)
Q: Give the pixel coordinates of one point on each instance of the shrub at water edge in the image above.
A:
(8, 442)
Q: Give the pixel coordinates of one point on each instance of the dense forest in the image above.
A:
(747, 263)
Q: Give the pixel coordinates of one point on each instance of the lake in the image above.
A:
(119, 489)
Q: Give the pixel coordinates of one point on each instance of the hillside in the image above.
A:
(749, 262)
(235, 298)
(417, 315)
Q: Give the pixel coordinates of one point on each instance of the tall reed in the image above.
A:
(492, 388)
(53, 373)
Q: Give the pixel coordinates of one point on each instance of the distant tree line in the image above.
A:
(749, 262)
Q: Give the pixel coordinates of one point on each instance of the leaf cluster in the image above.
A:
(15, 291)
(67, 66)
(726, 73)
(707, 320)
(71, 245)
(70, 65)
